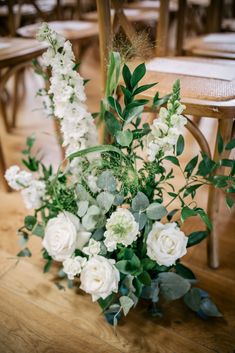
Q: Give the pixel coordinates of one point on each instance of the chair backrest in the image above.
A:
(108, 26)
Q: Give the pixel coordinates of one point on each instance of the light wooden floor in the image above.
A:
(36, 317)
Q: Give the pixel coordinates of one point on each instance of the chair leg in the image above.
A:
(15, 98)
(225, 127)
(3, 169)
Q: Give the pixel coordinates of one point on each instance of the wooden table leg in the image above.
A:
(225, 127)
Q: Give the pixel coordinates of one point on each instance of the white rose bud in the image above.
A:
(99, 277)
(93, 248)
(166, 243)
(64, 234)
(73, 266)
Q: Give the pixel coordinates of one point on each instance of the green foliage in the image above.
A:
(126, 304)
(30, 222)
(173, 286)
(140, 202)
(196, 237)
(124, 138)
(24, 253)
(180, 146)
(156, 211)
(106, 181)
(112, 123)
(184, 271)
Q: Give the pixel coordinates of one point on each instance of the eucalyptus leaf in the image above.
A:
(98, 234)
(141, 219)
(38, 230)
(140, 202)
(156, 211)
(118, 200)
(193, 299)
(81, 193)
(105, 200)
(173, 286)
(209, 308)
(126, 304)
(82, 208)
(24, 253)
(106, 181)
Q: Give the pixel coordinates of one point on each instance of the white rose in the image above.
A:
(121, 229)
(33, 194)
(93, 248)
(73, 266)
(99, 277)
(64, 234)
(166, 243)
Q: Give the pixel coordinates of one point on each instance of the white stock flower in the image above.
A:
(16, 178)
(73, 266)
(165, 131)
(166, 243)
(99, 277)
(33, 194)
(92, 249)
(64, 234)
(121, 228)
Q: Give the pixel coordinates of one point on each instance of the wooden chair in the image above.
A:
(203, 96)
(214, 45)
(15, 54)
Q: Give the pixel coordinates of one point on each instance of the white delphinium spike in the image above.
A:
(67, 90)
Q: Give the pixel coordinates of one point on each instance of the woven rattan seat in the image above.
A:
(202, 88)
(217, 45)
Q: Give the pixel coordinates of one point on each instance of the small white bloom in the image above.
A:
(73, 266)
(92, 249)
(64, 234)
(121, 228)
(166, 243)
(16, 178)
(33, 194)
(178, 121)
(99, 277)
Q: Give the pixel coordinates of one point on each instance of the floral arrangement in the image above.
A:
(108, 217)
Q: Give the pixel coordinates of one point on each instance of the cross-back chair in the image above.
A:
(15, 55)
(214, 44)
(203, 95)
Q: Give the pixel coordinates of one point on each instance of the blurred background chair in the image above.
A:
(211, 92)
(15, 55)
